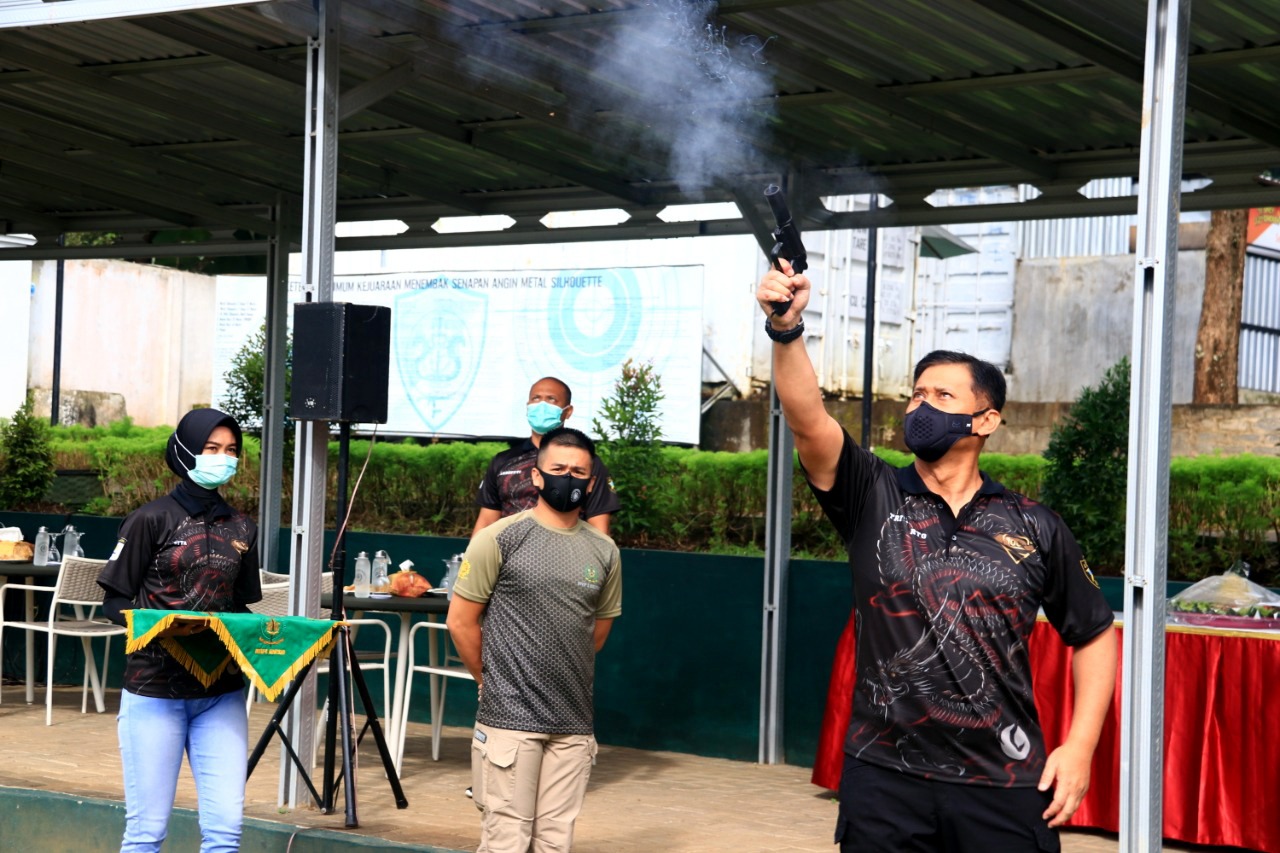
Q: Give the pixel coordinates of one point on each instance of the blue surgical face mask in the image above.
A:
(544, 417)
(213, 469)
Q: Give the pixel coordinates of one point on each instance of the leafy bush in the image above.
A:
(245, 398)
(1088, 469)
(26, 458)
(1220, 508)
(409, 488)
(631, 449)
(1223, 509)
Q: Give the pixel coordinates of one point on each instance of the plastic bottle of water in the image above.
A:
(381, 583)
(451, 576)
(362, 575)
(41, 557)
(71, 542)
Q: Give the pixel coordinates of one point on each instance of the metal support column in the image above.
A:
(311, 447)
(1150, 413)
(777, 563)
(55, 386)
(869, 333)
(273, 425)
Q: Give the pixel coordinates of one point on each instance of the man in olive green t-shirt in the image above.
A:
(534, 601)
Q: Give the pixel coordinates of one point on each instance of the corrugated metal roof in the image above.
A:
(195, 119)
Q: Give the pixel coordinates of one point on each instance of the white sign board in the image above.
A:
(466, 346)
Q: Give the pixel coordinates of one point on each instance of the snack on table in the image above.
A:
(18, 551)
(1228, 600)
(408, 584)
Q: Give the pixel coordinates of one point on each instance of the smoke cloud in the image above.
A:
(673, 86)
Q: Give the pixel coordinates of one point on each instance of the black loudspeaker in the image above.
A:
(341, 360)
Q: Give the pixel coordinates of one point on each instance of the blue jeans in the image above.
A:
(154, 733)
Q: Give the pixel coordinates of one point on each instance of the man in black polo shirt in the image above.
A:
(507, 487)
(944, 750)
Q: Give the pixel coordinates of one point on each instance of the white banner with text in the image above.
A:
(466, 346)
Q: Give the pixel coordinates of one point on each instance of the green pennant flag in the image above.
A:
(270, 650)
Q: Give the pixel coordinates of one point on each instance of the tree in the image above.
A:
(246, 382)
(631, 448)
(1087, 477)
(27, 468)
(1218, 339)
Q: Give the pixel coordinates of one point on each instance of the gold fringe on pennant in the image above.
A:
(138, 642)
(319, 649)
(170, 645)
(206, 679)
(271, 691)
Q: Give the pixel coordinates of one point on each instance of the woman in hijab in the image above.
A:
(188, 550)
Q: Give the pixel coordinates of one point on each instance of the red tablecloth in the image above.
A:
(1221, 759)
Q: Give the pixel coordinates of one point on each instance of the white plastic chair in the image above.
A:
(440, 667)
(272, 578)
(76, 588)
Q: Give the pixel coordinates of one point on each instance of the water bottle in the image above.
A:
(381, 583)
(362, 575)
(451, 577)
(41, 557)
(71, 542)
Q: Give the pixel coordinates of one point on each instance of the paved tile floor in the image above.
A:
(639, 801)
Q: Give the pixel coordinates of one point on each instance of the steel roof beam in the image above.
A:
(390, 108)
(215, 44)
(439, 42)
(392, 172)
(58, 134)
(46, 180)
(1056, 76)
(893, 216)
(181, 208)
(19, 220)
(200, 114)
(441, 61)
(365, 95)
(832, 78)
(1097, 51)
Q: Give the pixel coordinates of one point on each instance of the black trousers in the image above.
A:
(884, 810)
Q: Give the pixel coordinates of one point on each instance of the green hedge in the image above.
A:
(1220, 508)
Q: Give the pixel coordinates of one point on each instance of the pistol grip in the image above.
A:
(779, 308)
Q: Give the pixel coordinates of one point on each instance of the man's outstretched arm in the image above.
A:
(818, 436)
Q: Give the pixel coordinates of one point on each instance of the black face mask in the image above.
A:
(929, 432)
(563, 492)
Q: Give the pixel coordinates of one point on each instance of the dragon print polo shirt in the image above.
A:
(945, 607)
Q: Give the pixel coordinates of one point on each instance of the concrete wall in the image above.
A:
(144, 332)
(15, 314)
(1073, 318)
(741, 425)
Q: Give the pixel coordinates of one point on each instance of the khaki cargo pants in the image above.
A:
(529, 787)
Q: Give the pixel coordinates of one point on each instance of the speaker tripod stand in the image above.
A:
(343, 665)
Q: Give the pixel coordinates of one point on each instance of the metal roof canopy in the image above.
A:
(468, 110)
(193, 119)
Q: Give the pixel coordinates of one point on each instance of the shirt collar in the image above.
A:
(909, 481)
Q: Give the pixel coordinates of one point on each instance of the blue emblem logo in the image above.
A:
(615, 300)
(439, 336)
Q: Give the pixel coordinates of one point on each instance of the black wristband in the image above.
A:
(783, 337)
